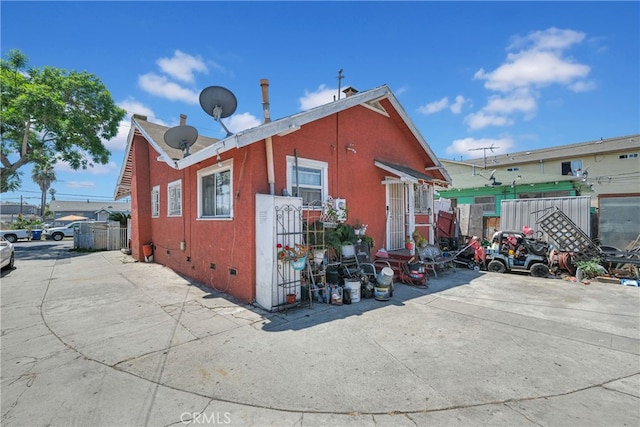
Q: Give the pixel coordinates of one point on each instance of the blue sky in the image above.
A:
(515, 75)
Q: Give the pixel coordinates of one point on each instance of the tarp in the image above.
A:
(71, 218)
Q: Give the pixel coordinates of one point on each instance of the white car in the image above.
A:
(59, 233)
(8, 254)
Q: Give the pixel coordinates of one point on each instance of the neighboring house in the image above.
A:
(608, 170)
(200, 211)
(98, 211)
(9, 212)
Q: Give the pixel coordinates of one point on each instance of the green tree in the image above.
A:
(55, 113)
(43, 175)
(120, 217)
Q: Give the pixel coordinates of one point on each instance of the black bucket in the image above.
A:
(333, 276)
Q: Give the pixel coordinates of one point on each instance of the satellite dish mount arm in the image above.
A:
(216, 113)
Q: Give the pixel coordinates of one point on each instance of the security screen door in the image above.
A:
(395, 216)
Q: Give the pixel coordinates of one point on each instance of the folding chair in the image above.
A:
(349, 265)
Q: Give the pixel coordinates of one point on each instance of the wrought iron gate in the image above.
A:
(289, 232)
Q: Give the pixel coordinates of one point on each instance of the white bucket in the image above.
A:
(353, 286)
(348, 251)
(385, 277)
(318, 257)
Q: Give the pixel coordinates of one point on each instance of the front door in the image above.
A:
(395, 216)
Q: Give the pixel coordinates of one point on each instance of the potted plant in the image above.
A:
(369, 240)
(347, 237)
(296, 255)
(359, 228)
(419, 239)
(589, 269)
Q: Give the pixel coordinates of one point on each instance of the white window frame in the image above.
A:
(312, 164)
(155, 201)
(422, 198)
(174, 201)
(227, 165)
(575, 165)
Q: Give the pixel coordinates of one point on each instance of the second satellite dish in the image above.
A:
(181, 137)
(219, 103)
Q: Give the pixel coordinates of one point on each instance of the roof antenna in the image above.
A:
(484, 152)
(340, 77)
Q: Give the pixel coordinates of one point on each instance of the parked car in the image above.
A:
(7, 254)
(59, 233)
(14, 235)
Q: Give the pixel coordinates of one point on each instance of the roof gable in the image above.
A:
(380, 100)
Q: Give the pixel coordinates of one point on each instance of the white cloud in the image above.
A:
(323, 95)
(456, 107)
(535, 61)
(401, 90)
(434, 107)
(240, 122)
(80, 184)
(583, 86)
(182, 66)
(482, 119)
(119, 142)
(549, 39)
(518, 101)
(108, 169)
(473, 147)
(162, 87)
(443, 103)
(136, 107)
(532, 68)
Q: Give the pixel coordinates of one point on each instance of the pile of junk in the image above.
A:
(569, 253)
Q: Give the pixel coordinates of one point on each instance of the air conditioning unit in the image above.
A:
(340, 206)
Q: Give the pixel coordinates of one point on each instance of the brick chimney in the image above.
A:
(183, 119)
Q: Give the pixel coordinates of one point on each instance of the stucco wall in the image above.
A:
(230, 243)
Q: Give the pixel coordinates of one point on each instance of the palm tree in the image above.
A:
(43, 175)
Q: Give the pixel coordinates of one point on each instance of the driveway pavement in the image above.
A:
(98, 340)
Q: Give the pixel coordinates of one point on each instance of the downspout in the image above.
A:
(268, 144)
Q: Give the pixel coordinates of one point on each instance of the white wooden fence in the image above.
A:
(101, 236)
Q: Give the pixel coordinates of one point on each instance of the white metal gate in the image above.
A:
(395, 216)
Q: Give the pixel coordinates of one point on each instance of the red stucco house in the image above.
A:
(200, 211)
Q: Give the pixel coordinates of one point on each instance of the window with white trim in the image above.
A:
(174, 198)
(155, 202)
(421, 198)
(308, 180)
(573, 167)
(215, 187)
